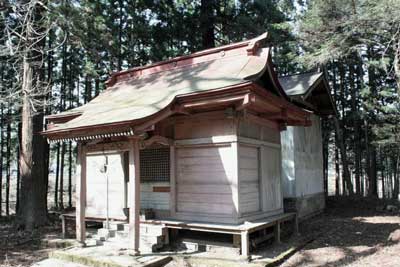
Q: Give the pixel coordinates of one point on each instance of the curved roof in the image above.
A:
(136, 95)
(299, 84)
(310, 90)
(145, 95)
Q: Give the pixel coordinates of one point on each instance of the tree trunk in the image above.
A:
(18, 168)
(120, 28)
(8, 161)
(1, 156)
(384, 192)
(397, 65)
(346, 172)
(325, 155)
(337, 168)
(70, 174)
(207, 20)
(61, 189)
(396, 163)
(57, 177)
(33, 210)
(373, 179)
(357, 149)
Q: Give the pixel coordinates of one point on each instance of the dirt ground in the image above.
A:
(18, 248)
(351, 233)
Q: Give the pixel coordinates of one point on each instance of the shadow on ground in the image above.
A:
(351, 233)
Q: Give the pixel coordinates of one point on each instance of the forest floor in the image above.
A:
(18, 248)
(350, 233)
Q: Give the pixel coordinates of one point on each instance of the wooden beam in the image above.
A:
(180, 110)
(246, 102)
(158, 140)
(213, 102)
(81, 194)
(207, 140)
(305, 122)
(261, 121)
(281, 115)
(157, 118)
(134, 209)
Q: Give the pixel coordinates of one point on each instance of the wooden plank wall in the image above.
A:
(206, 168)
(96, 184)
(308, 159)
(271, 187)
(249, 179)
(204, 180)
(260, 188)
(149, 199)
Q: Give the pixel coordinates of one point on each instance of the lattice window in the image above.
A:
(155, 164)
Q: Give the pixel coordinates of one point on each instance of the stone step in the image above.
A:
(209, 246)
(117, 226)
(148, 229)
(104, 233)
(58, 263)
(93, 242)
(153, 230)
(122, 234)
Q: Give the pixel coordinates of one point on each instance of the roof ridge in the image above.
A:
(252, 46)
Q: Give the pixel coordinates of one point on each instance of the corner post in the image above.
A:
(172, 181)
(245, 244)
(81, 194)
(134, 210)
(277, 232)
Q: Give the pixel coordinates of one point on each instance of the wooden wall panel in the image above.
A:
(271, 188)
(154, 200)
(204, 177)
(256, 131)
(249, 179)
(204, 127)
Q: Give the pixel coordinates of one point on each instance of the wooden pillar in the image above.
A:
(236, 241)
(235, 183)
(277, 232)
(245, 243)
(172, 175)
(134, 209)
(81, 194)
(296, 224)
(63, 227)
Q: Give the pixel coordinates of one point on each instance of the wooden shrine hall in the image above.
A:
(194, 139)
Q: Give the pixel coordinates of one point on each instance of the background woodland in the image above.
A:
(56, 55)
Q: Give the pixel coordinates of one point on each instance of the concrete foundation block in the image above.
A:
(106, 233)
(117, 226)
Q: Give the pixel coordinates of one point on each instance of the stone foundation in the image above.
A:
(305, 206)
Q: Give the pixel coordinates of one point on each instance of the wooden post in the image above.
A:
(296, 224)
(63, 227)
(277, 232)
(236, 241)
(245, 243)
(172, 192)
(134, 209)
(235, 184)
(81, 194)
